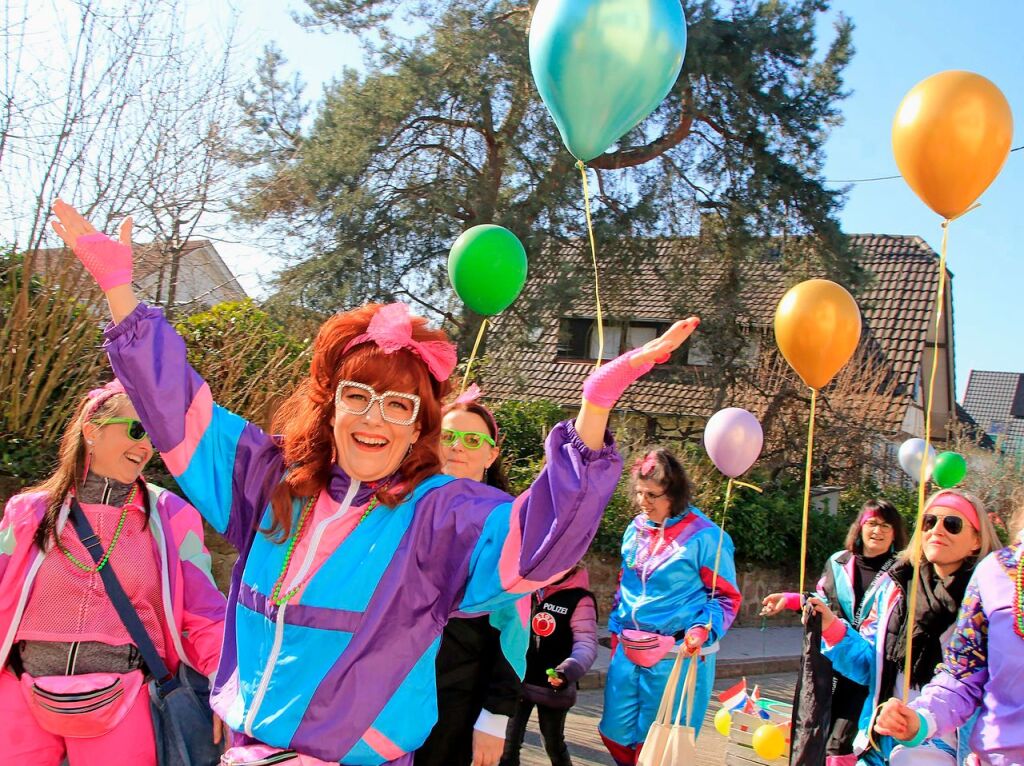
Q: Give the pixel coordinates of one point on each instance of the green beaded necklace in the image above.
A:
(276, 597)
(93, 569)
(1018, 601)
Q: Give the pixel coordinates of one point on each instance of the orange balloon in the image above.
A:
(817, 327)
(951, 136)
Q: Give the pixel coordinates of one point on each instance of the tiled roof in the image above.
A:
(896, 305)
(989, 400)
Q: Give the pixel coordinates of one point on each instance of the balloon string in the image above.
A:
(940, 303)
(593, 257)
(807, 490)
(721, 532)
(472, 356)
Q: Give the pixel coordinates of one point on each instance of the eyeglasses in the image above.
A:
(953, 524)
(136, 431)
(470, 439)
(395, 407)
(885, 526)
(650, 497)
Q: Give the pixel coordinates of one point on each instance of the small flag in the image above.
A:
(735, 696)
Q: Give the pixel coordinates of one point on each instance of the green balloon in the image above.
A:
(950, 469)
(487, 268)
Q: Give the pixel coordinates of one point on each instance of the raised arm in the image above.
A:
(227, 467)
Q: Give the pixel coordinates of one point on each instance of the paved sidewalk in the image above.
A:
(585, 743)
(744, 652)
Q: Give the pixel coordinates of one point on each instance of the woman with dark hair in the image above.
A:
(847, 583)
(354, 550)
(477, 687)
(73, 684)
(677, 593)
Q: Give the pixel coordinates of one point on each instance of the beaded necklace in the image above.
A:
(276, 596)
(93, 569)
(1018, 601)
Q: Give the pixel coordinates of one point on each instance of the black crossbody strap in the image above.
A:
(132, 623)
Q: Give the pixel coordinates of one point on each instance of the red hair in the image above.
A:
(304, 420)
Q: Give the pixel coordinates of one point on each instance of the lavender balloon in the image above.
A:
(733, 439)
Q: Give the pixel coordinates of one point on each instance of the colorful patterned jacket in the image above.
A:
(984, 665)
(193, 607)
(667, 575)
(344, 671)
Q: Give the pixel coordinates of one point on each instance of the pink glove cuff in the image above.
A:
(604, 386)
(109, 262)
(834, 633)
(792, 602)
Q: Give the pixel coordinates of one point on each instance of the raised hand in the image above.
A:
(604, 386)
(109, 262)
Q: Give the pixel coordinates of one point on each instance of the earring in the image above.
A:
(89, 442)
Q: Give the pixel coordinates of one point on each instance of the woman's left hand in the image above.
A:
(897, 720)
(661, 348)
(218, 729)
(487, 748)
(694, 640)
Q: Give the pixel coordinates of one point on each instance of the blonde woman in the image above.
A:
(956, 534)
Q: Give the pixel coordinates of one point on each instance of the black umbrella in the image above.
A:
(812, 702)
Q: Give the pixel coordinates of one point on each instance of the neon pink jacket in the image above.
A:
(193, 606)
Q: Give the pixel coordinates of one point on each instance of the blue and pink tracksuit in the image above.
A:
(665, 588)
(345, 670)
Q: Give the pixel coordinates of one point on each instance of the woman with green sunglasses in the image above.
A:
(73, 684)
(477, 687)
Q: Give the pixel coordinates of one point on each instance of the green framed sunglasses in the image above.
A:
(136, 431)
(470, 439)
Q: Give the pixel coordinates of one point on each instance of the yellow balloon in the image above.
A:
(817, 327)
(723, 722)
(951, 136)
(769, 742)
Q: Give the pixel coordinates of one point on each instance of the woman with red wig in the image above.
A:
(354, 548)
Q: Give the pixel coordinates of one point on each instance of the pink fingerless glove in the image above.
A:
(793, 602)
(695, 638)
(605, 385)
(109, 261)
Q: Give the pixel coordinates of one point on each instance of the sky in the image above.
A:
(898, 43)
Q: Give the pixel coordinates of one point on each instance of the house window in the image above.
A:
(612, 341)
(573, 333)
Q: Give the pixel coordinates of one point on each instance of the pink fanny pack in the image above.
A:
(89, 705)
(265, 755)
(645, 649)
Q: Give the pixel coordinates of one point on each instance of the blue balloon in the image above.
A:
(602, 66)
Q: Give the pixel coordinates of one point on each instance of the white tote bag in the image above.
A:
(671, 741)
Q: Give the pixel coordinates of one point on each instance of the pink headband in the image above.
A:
(959, 503)
(391, 329)
(470, 396)
(870, 513)
(98, 396)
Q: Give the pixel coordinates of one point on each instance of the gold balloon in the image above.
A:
(817, 327)
(951, 136)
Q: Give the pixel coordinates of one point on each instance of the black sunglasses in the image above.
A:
(953, 524)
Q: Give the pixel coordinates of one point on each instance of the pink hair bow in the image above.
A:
(99, 395)
(470, 395)
(391, 329)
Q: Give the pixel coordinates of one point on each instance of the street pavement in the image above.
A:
(585, 743)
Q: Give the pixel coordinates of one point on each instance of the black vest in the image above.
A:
(551, 633)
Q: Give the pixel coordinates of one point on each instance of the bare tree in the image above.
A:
(116, 107)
